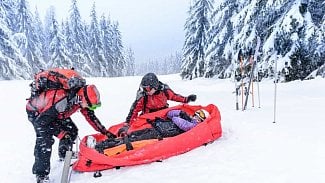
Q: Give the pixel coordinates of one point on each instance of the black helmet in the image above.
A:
(150, 80)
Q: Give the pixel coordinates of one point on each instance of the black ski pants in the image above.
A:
(45, 128)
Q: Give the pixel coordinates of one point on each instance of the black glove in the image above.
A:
(123, 131)
(110, 135)
(191, 98)
(185, 116)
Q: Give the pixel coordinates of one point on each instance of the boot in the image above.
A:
(62, 150)
(42, 179)
(65, 145)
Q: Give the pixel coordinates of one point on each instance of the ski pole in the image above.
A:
(240, 56)
(252, 70)
(258, 91)
(258, 80)
(275, 88)
(236, 88)
(236, 92)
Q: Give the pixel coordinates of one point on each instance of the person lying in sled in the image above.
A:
(152, 96)
(177, 122)
(186, 122)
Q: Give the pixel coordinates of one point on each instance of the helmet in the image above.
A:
(202, 114)
(90, 97)
(149, 81)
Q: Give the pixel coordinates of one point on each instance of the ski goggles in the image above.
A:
(147, 88)
(200, 114)
(93, 107)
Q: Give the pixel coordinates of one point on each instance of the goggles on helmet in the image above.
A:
(147, 88)
(93, 107)
(200, 114)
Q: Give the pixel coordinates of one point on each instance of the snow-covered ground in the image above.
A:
(252, 149)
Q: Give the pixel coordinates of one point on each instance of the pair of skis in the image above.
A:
(246, 90)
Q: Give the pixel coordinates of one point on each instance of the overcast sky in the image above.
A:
(152, 28)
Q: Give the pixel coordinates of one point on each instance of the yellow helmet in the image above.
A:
(202, 114)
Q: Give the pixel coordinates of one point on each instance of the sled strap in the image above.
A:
(127, 143)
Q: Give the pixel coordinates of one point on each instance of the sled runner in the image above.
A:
(151, 150)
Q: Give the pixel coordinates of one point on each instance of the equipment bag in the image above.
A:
(56, 78)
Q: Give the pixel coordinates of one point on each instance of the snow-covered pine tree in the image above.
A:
(80, 58)
(58, 56)
(27, 38)
(130, 62)
(68, 40)
(220, 35)
(196, 39)
(117, 48)
(107, 40)
(317, 12)
(39, 29)
(173, 62)
(96, 46)
(235, 25)
(12, 64)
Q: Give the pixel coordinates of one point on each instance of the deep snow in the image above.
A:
(252, 149)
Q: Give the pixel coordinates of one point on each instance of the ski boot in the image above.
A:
(42, 179)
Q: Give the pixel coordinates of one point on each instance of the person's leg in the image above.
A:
(67, 132)
(43, 148)
(148, 133)
(145, 134)
(108, 143)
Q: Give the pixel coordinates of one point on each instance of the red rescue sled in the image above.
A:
(147, 151)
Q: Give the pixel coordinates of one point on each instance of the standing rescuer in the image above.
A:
(50, 112)
(152, 96)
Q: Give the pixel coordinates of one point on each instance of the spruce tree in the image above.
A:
(27, 37)
(196, 39)
(57, 52)
(12, 64)
(107, 40)
(96, 46)
(117, 48)
(81, 59)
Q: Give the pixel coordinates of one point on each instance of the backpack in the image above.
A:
(56, 78)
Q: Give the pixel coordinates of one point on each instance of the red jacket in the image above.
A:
(56, 104)
(151, 103)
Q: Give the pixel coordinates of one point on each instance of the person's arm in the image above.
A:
(171, 95)
(93, 120)
(175, 97)
(136, 107)
(184, 124)
(173, 113)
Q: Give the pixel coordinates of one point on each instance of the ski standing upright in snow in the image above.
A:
(251, 77)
